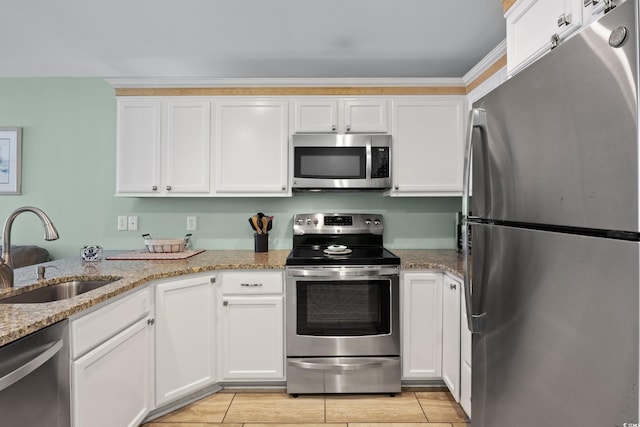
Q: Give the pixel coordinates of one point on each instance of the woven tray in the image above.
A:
(145, 254)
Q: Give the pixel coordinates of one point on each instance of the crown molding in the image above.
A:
(181, 82)
(485, 63)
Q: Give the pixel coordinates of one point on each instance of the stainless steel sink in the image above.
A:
(58, 291)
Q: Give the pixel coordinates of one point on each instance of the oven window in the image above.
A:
(343, 308)
(330, 163)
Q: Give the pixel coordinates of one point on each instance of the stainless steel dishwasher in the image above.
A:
(34, 379)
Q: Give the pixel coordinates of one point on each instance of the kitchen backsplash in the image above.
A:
(222, 223)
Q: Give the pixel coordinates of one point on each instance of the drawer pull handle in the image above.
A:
(251, 285)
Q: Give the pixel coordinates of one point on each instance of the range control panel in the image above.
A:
(319, 223)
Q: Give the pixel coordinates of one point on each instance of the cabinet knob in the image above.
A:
(397, 187)
(348, 128)
(555, 41)
(168, 188)
(333, 128)
(453, 286)
(154, 188)
(225, 303)
(284, 187)
(151, 321)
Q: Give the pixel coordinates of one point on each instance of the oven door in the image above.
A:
(343, 311)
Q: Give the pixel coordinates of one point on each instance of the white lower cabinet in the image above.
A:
(185, 336)
(451, 335)
(421, 325)
(465, 357)
(251, 326)
(111, 366)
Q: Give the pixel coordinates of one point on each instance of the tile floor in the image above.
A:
(270, 409)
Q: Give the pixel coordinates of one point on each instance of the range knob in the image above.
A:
(299, 222)
(308, 221)
(367, 221)
(377, 222)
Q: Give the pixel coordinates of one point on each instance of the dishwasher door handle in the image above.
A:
(22, 371)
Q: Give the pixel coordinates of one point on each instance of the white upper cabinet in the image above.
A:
(428, 146)
(251, 141)
(534, 26)
(366, 116)
(138, 152)
(188, 147)
(315, 115)
(163, 147)
(321, 115)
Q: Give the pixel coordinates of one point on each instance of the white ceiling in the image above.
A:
(247, 38)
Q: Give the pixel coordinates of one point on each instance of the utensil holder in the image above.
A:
(261, 242)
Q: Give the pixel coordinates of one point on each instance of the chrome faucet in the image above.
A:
(6, 265)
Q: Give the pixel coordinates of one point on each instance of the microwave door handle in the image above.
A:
(477, 120)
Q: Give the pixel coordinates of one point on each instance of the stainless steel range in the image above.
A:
(343, 323)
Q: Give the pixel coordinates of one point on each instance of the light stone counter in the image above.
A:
(18, 320)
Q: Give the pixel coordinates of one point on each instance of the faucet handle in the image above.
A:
(42, 269)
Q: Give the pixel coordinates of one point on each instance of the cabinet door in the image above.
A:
(366, 116)
(451, 335)
(465, 358)
(184, 337)
(112, 383)
(138, 146)
(532, 23)
(315, 115)
(251, 147)
(252, 346)
(428, 146)
(188, 155)
(421, 325)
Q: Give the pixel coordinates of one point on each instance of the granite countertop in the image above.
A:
(18, 320)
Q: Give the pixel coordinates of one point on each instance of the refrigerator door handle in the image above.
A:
(477, 119)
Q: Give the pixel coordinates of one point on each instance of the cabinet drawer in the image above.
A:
(95, 328)
(260, 282)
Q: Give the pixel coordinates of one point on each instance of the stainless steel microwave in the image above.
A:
(341, 162)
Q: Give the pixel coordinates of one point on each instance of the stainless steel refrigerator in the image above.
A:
(553, 277)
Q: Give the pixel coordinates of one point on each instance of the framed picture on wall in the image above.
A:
(10, 160)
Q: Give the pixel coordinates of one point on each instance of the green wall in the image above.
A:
(68, 170)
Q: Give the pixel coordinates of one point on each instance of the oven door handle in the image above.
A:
(342, 272)
(350, 365)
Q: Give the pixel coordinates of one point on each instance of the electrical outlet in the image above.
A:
(132, 222)
(122, 223)
(192, 223)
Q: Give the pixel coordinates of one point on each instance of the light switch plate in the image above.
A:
(132, 222)
(122, 223)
